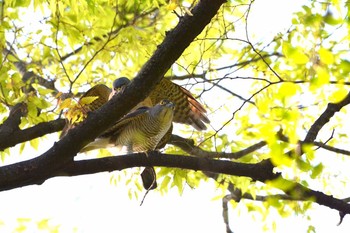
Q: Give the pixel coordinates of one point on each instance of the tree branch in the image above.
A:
(11, 124)
(262, 171)
(30, 77)
(324, 118)
(188, 146)
(12, 138)
(63, 151)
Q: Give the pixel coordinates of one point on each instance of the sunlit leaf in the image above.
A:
(338, 95)
(282, 184)
(88, 100)
(326, 56)
(295, 54)
(316, 171)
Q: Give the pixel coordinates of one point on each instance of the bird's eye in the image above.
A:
(163, 102)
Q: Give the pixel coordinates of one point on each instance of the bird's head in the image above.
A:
(119, 85)
(164, 110)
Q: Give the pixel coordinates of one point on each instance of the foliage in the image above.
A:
(266, 90)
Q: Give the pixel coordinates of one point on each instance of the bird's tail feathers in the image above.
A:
(99, 143)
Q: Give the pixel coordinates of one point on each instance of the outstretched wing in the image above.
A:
(188, 110)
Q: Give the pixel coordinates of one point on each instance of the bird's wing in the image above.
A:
(187, 109)
(123, 122)
(165, 139)
(102, 93)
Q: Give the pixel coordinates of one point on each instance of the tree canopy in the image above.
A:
(277, 104)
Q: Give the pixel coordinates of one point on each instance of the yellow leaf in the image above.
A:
(34, 143)
(172, 6)
(296, 54)
(322, 75)
(43, 224)
(65, 104)
(326, 56)
(58, 95)
(88, 100)
(278, 156)
(288, 89)
(165, 182)
(281, 184)
(338, 95)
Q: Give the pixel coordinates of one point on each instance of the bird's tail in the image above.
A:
(99, 143)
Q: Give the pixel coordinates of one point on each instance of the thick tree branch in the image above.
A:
(62, 152)
(11, 124)
(12, 138)
(262, 171)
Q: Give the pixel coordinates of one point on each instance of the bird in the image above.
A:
(101, 91)
(188, 110)
(140, 131)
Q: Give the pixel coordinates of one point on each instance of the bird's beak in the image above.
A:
(114, 92)
(170, 105)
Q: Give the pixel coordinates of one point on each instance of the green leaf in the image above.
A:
(278, 157)
(282, 184)
(178, 182)
(316, 171)
(165, 182)
(294, 53)
(34, 143)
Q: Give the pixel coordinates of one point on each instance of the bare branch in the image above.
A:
(225, 202)
(111, 34)
(188, 146)
(30, 77)
(324, 118)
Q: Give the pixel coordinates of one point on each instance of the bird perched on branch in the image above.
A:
(140, 131)
(188, 110)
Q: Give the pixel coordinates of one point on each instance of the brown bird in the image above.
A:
(140, 131)
(188, 110)
(102, 92)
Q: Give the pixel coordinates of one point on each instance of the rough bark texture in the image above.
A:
(62, 152)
